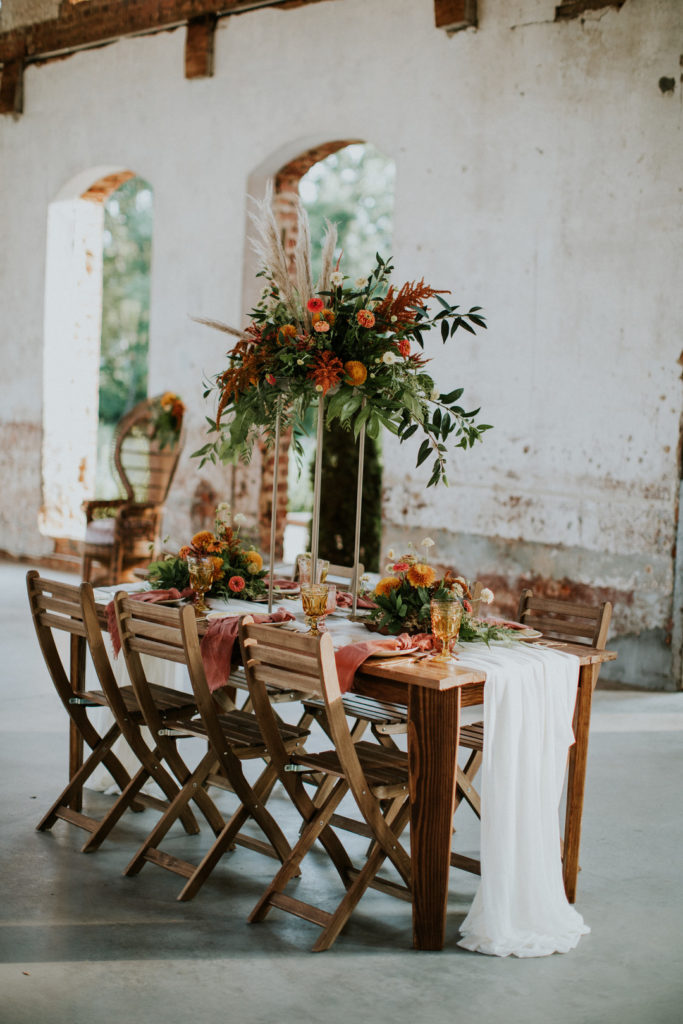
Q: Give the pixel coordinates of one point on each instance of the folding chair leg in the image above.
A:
(190, 790)
(316, 828)
(464, 783)
(360, 884)
(61, 807)
(277, 842)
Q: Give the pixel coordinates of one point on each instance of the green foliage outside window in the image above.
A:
(125, 299)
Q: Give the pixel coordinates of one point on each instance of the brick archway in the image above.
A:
(286, 187)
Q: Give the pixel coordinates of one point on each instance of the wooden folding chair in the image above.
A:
(372, 774)
(563, 621)
(57, 607)
(232, 737)
(122, 702)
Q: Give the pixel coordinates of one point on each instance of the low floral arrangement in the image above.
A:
(237, 570)
(167, 419)
(403, 599)
(359, 342)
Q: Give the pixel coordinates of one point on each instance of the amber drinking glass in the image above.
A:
(201, 578)
(446, 618)
(304, 569)
(314, 601)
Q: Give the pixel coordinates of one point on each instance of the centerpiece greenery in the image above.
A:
(403, 600)
(238, 570)
(360, 343)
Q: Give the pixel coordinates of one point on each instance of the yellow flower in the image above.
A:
(254, 562)
(386, 585)
(324, 316)
(286, 332)
(167, 400)
(421, 575)
(356, 372)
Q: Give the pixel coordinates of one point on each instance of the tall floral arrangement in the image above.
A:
(238, 570)
(359, 342)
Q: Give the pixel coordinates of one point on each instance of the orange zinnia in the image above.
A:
(386, 585)
(421, 575)
(217, 568)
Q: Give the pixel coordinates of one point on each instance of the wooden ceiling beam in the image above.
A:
(84, 25)
(454, 15)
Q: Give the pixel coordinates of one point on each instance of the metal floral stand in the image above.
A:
(317, 480)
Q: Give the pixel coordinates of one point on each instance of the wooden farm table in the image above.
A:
(434, 696)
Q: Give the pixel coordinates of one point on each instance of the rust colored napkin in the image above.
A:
(151, 597)
(219, 640)
(345, 600)
(350, 657)
(285, 585)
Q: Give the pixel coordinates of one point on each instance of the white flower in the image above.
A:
(486, 595)
(299, 362)
(391, 553)
(434, 395)
(336, 278)
(361, 282)
(239, 519)
(394, 319)
(389, 358)
(427, 543)
(389, 568)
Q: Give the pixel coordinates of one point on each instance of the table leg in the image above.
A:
(576, 779)
(433, 732)
(77, 677)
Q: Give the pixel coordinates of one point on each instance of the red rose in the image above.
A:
(236, 584)
(314, 305)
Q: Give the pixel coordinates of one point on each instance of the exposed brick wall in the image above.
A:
(100, 191)
(454, 15)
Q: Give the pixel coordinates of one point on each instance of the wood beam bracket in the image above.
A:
(12, 87)
(199, 46)
(455, 15)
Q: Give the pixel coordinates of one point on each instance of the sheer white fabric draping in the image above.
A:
(520, 907)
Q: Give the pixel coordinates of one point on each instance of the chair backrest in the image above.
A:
(285, 660)
(56, 606)
(566, 620)
(98, 653)
(145, 469)
(147, 629)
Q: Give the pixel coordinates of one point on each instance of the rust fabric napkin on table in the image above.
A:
(350, 657)
(345, 600)
(151, 597)
(219, 640)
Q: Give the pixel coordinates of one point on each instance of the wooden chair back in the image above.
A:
(55, 606)
(571, 622)
(145, 469)
(285, 660)
(147, 629)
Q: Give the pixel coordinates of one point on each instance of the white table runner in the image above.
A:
(520, 907)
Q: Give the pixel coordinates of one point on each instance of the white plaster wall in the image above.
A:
(538, 175)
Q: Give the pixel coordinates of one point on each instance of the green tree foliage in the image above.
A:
(353, 188)
(125, 298)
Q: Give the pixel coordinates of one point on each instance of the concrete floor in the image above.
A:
(81, 943)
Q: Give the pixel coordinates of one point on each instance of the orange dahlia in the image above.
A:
(206, 541)
(386, 585)
(365, 318)
(325, 315)
(356, 372)
(184, 552)
(217, 568)
(421, 575)
(167, 399)
(254, 562)
(285, 333)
